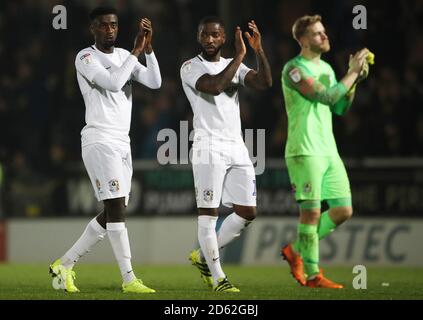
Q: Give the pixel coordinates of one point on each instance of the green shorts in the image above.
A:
(318, 178)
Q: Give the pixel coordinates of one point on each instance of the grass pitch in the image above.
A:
(182, 282)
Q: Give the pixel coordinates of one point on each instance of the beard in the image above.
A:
(322, 48)
(109, 43)
(210, 55)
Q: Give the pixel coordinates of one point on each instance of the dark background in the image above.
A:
(42, 111)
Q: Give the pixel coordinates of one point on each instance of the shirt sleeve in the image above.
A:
(89, 67)
(191, 72)
(242, 72)
(301, 80)
(150, 75)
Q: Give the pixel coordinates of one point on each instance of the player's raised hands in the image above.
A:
(240, 49)
(139, 43)
(254, 40)
(148, 31)
(357, 60)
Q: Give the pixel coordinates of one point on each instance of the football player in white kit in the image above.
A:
(221, 165)
(105, 74)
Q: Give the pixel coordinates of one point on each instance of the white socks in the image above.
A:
(231, 228)
(118, 236)
(209, 247)
(92, 234)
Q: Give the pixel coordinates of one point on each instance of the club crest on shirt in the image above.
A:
(208, 195)
(186, 67)
(295, 75)
(98, 185)
(114, 185)
(86, 58)
(293, 187)
(307, 187)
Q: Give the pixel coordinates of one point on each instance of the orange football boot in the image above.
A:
(295, 263)
(321, 282)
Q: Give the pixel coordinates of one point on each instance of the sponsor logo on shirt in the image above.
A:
(295, 75)
(208, 195)
(114, 185)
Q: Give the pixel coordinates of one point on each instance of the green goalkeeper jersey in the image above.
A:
(311, 95)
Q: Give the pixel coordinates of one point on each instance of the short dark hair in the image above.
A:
(211, 19)
(101, 11)
(300, 26)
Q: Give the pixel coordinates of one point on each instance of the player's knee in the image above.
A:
(348, 212)
(310, 216)
(344, 213)
(207, 212)
(115, 209)
(248, 213)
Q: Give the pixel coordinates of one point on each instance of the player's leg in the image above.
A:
(303, 254)
(239, 192)
(309, 246)
(115, 198)
(322, 224)
(307, 237)
(61, 269)
(119, 240)
(209, 170)
(94, 232)
(208, 179)
(336, 191)
(118, 236)
(234, 224)
(207, 237)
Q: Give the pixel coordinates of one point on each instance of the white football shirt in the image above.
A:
(215, 117)
(105, 81)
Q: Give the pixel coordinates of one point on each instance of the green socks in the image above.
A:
(308, 243)
(326, 225)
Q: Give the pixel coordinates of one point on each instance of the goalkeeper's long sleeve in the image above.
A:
(313, 89)
(342, 106)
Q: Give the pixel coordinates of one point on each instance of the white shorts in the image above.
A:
(223, 173)
(110, 169)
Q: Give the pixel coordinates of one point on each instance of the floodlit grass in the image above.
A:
(102, 282)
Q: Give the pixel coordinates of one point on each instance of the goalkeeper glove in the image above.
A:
(370, 59)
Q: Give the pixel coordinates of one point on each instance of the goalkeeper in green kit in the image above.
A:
(317, 173)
